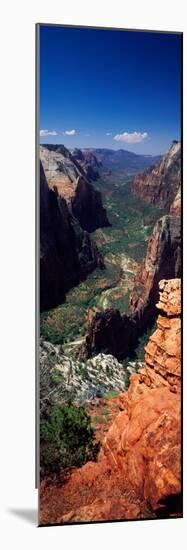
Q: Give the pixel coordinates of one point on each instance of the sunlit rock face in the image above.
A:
(160, 184)
(70, 177)
(163, 351)
(67, 253)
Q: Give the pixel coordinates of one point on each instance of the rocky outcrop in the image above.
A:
(83, 381)
(69, 177)
(137, 474)
(145, 438)
(67, 254)
(163, 351)
(163, 261)
(160, 185)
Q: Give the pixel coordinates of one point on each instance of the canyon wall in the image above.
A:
(70, 177)
(163, 261)
(161, 184)
(67, 254)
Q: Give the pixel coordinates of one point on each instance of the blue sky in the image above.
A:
(105, 88)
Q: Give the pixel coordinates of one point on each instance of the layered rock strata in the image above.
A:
(160, 184)
(163, 351)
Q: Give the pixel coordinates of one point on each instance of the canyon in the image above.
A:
(115, 333)
(114, 291)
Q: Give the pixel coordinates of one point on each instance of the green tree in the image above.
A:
(66, 439)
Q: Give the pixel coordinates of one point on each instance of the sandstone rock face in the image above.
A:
(65, 173)
(175, 208)
(163, 260)
(163, 351)
(144, 439)
(144, 444)
(67, 253)
(160, 185)
(138, 469)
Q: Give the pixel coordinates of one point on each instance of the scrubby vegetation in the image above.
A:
(66, 438)
(66, 434)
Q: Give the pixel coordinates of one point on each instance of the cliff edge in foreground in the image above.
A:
(137, 474)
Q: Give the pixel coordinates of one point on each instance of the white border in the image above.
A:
(17, 315)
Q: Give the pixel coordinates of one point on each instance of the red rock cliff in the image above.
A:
(138, 470)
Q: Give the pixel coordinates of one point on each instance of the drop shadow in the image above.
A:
(29, 515)
(172, 506)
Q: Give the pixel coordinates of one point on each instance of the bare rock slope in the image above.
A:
(70, 176)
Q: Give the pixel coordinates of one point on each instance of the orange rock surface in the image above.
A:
(137, 474)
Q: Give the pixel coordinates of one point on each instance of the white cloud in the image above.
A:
(48, 133)
(69, 132)
(134, 137)
(108, 134)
